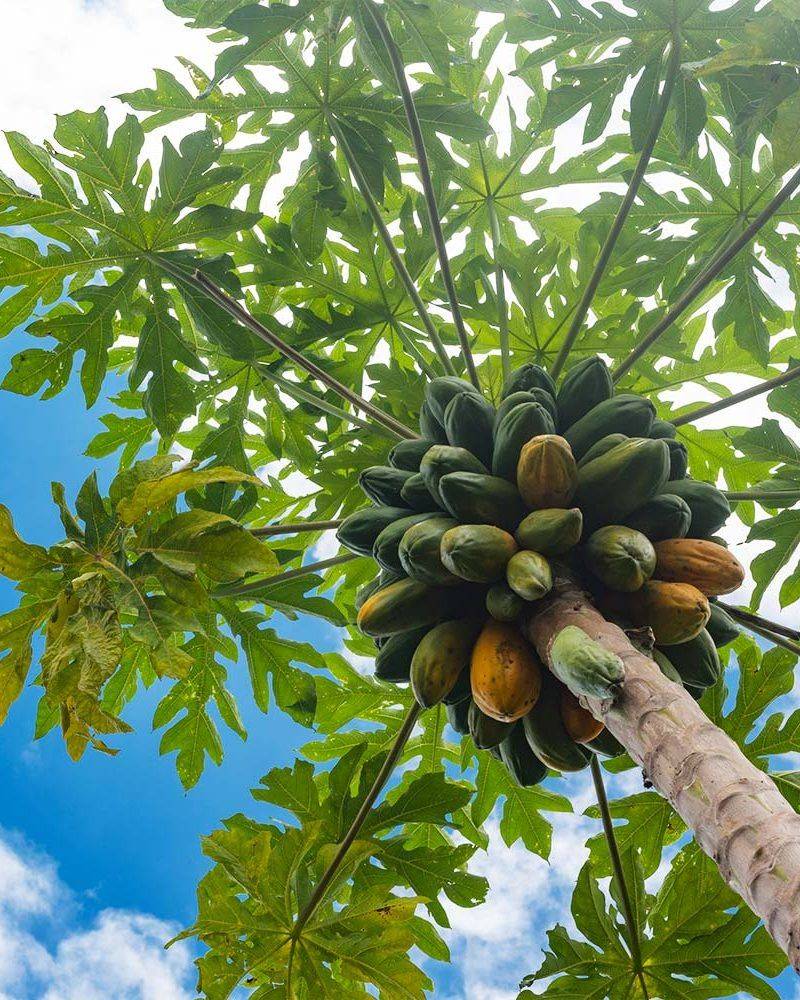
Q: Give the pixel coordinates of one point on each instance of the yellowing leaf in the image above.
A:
(154, 494)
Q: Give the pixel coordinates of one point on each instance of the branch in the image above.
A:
(774, 638)
(254, 586)
(270, 530)
(427, 185)
(499, 275)
(739, 397)
(764, 497)
(712, 271)
(749, 618)
(624, 209)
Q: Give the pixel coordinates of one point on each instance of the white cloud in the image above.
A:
(116, 953)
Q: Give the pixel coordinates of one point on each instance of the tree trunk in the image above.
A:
(737, 815)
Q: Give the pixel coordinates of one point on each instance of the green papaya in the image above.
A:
(439, 392)
(602, 446)
(606, 744)
(663, 429)
(485, 731)
(475, 499)
(709, 506)
(429, 427)
(439, 659)
(393, 660)
(383, 579)
(359, 531)
(477, 552)
(661, 517)
(552, 531)
(384, 485)
(495, 752)
(697, 661)
(531, 396)
(614, 485)
(526, 421)
(443, 459)
(458, 716)
(529, 575)
(502, 603)
(666, 666)
(419, 551)
(461, 690)
(721, 627)
(408, 454)
(622, 558)
(546, 735)
(585, 666)
(469, 423)
(527, 377)
(678, 459)
(625, 414)
(416, 495)
(404, 605)
(386, 550)
(585, 385)
(521, 762)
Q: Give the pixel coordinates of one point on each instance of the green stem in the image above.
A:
(270, 530)
(739, 397)
(623, 211)
(774, 638)
(750, 618)
(704, 279)
(616, 861)
(255, 586)
(499, 276)
(765, 496)
(427, 185)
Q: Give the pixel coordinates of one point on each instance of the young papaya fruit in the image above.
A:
(526, 421)
(477, 552)
(584, 386)
(613, 486)
(666, 667)
(622, 558)
(408, 454)
(469, 423)
(440, 658)
(601, 447)
(485, 731)
(521, 762)
(439, 392)
(721, 627)
(547, 474)
(359, 531)
(585, 666)
(429, 427)
(416, 495)
(527, 377)
(663, 429)
(516, 399)
(662, 516)
(383, 484)
(552, 531)
(458, 716)
(709, 506)
(678, 459)
(580, 724)
(529, 575)
(676, 612)
(386, 550)
(697, 661)
(477, 499)
(462, 689)
(708, 566)
(404, 605)
(547, 735)
(502, 603)
(443, 459)
(505, 672)
(393, 659)
(383, 579)
(625, 414)
(420, 551)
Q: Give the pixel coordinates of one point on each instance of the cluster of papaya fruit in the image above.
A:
(470, 522)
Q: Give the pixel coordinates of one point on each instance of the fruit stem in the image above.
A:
(739, 397)
(499, 275)
(255, 586)
(749, 618)
(427, 184)
(623, 211)
(765, 496)
(377, 786)
(268, 530)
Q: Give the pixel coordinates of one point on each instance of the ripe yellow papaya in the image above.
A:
(708, 566)
(676, 612)
(580, 724)
(505, 672)
(440, 658)
(547, 474)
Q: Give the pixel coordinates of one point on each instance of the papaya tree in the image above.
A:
(475, 274)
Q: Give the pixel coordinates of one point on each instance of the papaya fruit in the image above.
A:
(547, 475)
(580, 724)
(521, 762)
(662, 516)
(622, 558)
(443, 459)
(485, 731)
(585, 666)
(547, 735)
(505, 672)
(606, 745)
(458, 716)
(404, 605)
(708, 566)
(678, 459)
(462, 689)
(443, 653)
(439, 392)
(386, 550)
(502, 603)
(526, 421)
(420, 551)
(469, 423)
(527, 377)
(359, 531)
(662, 429)
(529, 575)
(552, 531)
(477, 552)
(697, 661)
(709, 506)
(393, 660)
(614, 485)
(416, 495)
(516, 399)
(625, 414)
(666, 667)
(383, 579)
(585, 385)
(601, 447)
(429, 427)
(475, 499)
(676, 612)
(383, 484)
(721, 627)
(408, 454)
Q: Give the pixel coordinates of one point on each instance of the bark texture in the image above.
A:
(738, 816)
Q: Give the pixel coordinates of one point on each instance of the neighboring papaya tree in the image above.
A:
(420, 321)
